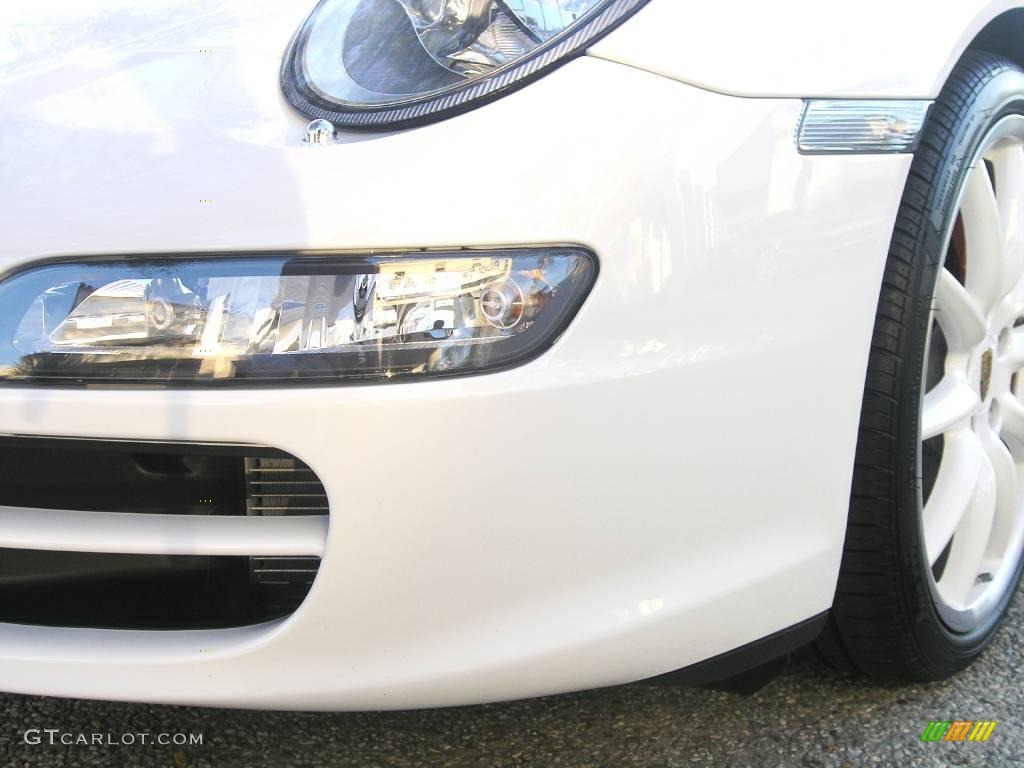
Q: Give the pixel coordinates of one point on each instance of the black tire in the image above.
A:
(884, 622)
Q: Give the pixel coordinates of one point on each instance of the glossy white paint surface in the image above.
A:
(678, 465)
(804, 48)
(155, 534)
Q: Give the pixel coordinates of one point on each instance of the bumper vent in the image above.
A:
(153, 536)
(276, 487)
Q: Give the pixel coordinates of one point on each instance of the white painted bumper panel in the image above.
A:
(155, 534)
(671, 479)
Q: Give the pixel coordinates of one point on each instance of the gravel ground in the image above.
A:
(809, 716)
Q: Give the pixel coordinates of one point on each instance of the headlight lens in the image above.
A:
(374, 63)
(285, 318)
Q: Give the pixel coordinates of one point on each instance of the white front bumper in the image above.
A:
(671, 480)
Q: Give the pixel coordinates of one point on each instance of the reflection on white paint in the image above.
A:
(650, 607)
(643, 608)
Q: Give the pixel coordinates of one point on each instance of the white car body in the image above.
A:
(681, 462)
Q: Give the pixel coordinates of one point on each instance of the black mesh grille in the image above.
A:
(283, 486)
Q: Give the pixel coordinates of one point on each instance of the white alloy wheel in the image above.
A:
(972, 417)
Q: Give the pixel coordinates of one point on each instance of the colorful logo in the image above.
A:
(958, 730)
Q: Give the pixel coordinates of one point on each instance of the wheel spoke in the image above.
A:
(1012, 413)
(1008, 162)
(951, 401)
(984, 236)
(1008, 505)
(962, 458)
(971, 537)
(958, 313)
(1015, 351)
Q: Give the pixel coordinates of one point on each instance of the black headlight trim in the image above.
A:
(452, 101)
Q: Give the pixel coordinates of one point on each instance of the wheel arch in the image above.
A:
(1003, 35)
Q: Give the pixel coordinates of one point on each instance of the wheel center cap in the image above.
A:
(986, 372)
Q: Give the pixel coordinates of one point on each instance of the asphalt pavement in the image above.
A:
(809, 716)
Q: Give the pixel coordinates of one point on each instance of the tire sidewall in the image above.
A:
(1001, 96)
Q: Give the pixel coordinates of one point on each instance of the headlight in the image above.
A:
(274, 319)
(376, 63)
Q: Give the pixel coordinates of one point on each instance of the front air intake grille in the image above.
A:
(276, 487)
(282, 486)
(155, 536)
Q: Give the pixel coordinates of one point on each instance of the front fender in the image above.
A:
(804, 48)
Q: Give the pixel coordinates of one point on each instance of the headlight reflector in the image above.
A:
(388, 63)
(272, 319)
